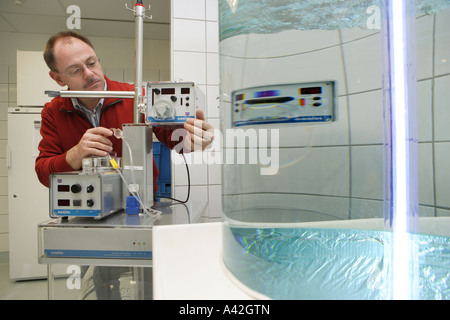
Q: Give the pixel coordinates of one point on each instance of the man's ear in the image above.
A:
(55, 76)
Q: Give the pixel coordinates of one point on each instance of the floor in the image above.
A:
(99, 283)
(21, 290)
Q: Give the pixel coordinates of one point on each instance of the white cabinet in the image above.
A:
(28, 199)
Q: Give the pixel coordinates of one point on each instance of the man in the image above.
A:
(73, 129)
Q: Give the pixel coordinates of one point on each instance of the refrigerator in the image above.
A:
(28, 199)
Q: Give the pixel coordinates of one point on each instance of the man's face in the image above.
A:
(72, 54)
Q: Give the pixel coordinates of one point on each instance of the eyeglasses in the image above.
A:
(78, 70)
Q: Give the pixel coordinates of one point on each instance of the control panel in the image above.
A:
(284, 103)
(85, 195)
(170, 102)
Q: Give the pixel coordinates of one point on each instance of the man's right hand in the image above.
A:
(94, 142)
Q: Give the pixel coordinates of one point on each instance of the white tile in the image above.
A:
(3, 130)
(3, 143)
(115, 74)
(192, 9)
(4, 242)
(443, 213)
(318, 65)
(212, 98)
(4, 111)
(214, 174)
(4, 205)
(12, 92)
(128, 75)
(441, 108)
(164, 75)
(321, 171)
(198, 170)
(4, 92)
(442, 154)
(200, 94)
(212, 36)
(276, 45)
(425, 171)
(3, 186)
(366, 118)
(363, 64)
(212, 68)
(366, 209)
(356, 33)
(215, 201)
(4, 223)
(212, 10)
(3, 168)
(12, 74)
(197, 193)
(367, 172)
(424, 119)
(442, 43)
(188, 35)
(189, 66)
(322, 134)
(3, 73)
(424, 46)
(150, 75)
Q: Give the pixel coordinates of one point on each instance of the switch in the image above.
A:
(75, 188)
(76, 203)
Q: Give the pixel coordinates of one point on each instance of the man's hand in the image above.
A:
(200, 133)
(94, 142)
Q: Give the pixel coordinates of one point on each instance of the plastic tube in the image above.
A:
(119, 135)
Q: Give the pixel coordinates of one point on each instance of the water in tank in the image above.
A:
(322, 129)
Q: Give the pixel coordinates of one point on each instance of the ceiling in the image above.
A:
(99, 18)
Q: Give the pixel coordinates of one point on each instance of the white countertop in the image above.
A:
(187, 264)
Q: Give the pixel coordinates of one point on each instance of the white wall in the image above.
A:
(195, 58)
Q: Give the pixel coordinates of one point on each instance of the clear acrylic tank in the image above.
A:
(321, 144)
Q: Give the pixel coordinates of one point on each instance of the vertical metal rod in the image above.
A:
(139, 12)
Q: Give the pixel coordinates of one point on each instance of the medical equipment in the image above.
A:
(164, 103)
(170, 102)
(284, 103)
(96, 191)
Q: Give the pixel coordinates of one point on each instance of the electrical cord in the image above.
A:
(189, 185)
(119, 134)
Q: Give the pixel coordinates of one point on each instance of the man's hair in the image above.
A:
(49, 56)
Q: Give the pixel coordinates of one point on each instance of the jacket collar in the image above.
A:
(66, 103)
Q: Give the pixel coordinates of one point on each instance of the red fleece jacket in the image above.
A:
(63, 126)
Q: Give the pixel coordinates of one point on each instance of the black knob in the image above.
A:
(173, 98)
(156, 91)
(90, 203)
(90, 188)
(75, 188)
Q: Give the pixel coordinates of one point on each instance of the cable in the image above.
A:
(189, 185)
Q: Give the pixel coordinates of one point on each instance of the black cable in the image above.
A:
(189, 185)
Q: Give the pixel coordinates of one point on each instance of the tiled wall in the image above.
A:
(195, 58)
(7, 98)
